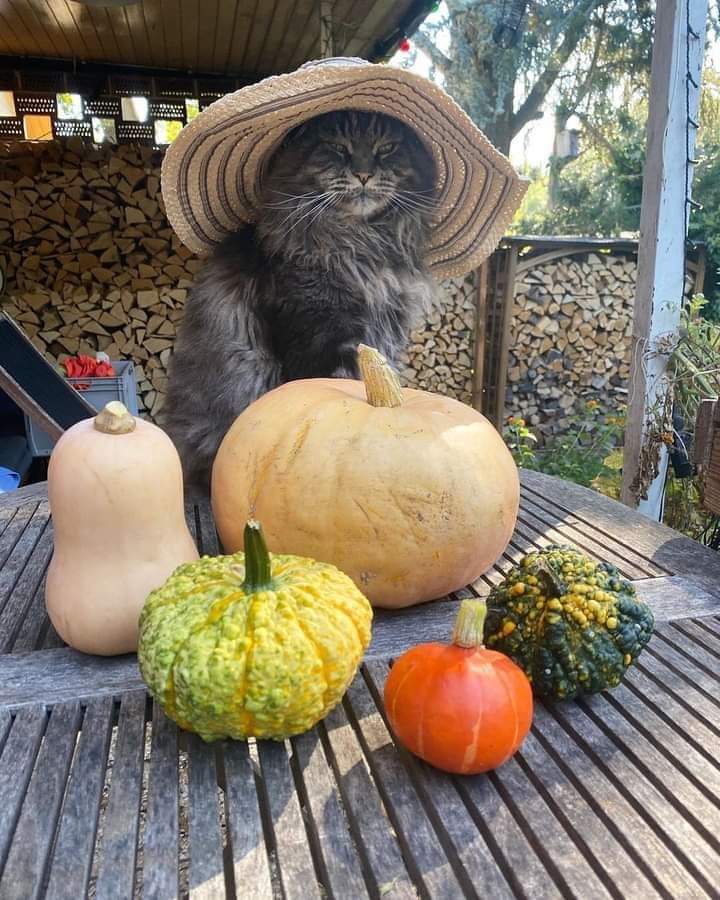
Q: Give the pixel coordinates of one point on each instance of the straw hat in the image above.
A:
(211, 172)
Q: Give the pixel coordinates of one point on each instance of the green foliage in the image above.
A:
(580, 453)
(520, 441)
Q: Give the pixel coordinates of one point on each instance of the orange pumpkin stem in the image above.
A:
(469, 624)
(382, 384)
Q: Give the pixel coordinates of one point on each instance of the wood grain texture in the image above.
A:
(72, 856)
(367, 816)
(342, 869)
(207, 872)
(186, 34)
(422, 845)
(118, 847)
(250, 864)
(16, 765)
(294, 856)
(24, 872)
(160, 846)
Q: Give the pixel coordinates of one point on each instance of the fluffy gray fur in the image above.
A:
(334, 260)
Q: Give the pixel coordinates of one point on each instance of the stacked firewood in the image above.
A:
(90, 260)
(570, 337)
(440, 355)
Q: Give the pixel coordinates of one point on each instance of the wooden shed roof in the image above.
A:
(248, 38)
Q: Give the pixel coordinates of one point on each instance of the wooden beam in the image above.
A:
(327, 48)
(661, 253)
(478, 399)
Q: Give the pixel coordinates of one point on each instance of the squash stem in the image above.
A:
(469, 624)
(114, 418)
(552, 585)
(382, 384)
(257, 560)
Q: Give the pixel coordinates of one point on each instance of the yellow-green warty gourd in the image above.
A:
(252, 644)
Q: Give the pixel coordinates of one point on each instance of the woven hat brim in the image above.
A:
(211, 172)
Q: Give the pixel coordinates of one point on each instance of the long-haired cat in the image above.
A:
(335, 259)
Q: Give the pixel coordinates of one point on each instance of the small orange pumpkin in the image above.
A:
(458, 706)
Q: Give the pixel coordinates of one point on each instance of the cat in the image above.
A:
(335, 259)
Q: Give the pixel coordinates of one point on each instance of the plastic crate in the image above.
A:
(97, 392)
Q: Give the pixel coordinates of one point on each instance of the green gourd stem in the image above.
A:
(553, 586)
(382, 384)
(469, 624)
(257, 560)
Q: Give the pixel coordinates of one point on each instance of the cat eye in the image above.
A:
(338, 148)
(387, 149)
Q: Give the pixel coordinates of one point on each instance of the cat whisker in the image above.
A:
(317, 207)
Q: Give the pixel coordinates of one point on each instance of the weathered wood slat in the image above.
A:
(7, 513)
(28, 582)
(658, 543)
(670, 710)
(5, 725)
(602, 792)
(73, 853)
(251, 869)
(653, 756)
(118, 847)
(24, 872)
(366, 815)
(516, 855)
(675, 743)
(341, 861)
(207, 872)
(579, 818)
(543, 535)
(588, 537)
(692, 650)
(644, 792)
(554, 845)
(294, 858)
(207, 539)
(160, 845)
(441, 795)
(697, 703)
(710, 623)
(702, 636)
(16, 765)
(420, 841)
(683, 664)
(17, 543)
(28, 633)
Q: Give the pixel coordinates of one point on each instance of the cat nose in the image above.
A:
(363, 177)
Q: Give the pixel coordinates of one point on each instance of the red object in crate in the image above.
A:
(82, 366)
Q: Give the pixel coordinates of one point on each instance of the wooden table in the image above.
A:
(614, 796)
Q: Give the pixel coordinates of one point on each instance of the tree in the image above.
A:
(502, 71)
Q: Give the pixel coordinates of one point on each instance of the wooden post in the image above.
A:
(661, 251)
(478, 397)
(326, 36)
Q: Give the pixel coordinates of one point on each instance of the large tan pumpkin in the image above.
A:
(116, 498)
(410, 493)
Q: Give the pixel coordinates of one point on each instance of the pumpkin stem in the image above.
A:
(257, 560)
(552, 585)
(382, 384)
(469, 624)
(114, 419)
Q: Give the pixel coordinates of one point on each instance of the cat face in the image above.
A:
(351, 164)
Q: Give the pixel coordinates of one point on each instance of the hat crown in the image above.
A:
(335, 62)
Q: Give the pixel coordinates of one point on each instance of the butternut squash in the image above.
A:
(116, 499)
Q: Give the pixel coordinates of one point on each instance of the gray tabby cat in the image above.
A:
(335, 259)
